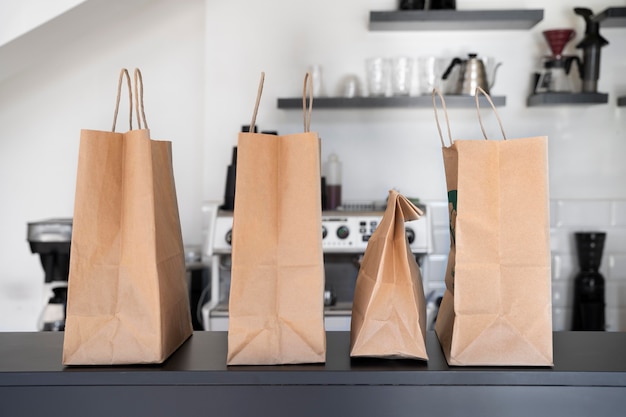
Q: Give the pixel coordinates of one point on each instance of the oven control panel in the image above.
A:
(342, 232)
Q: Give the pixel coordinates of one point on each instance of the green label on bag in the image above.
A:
(452, 199)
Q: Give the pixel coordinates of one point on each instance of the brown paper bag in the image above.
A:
(497, 307)
(127, 299)
(276, 305)
(389, 309)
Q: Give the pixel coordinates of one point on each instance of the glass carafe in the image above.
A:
(555, 77)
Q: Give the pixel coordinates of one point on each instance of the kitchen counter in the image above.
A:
(588, 379)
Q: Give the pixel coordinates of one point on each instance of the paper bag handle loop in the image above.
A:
(123, 73)
(258, 100)
(480, 120)
(139, 100)
(435, 93)
(308, 82)
(308, 85)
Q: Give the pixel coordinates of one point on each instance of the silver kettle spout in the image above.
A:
(493, 75)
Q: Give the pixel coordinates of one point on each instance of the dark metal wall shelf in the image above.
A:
(612, 17)
(621, 101)
(553, 99)
(519, 19)
(426, 101)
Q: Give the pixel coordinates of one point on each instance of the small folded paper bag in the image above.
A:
(389, 309)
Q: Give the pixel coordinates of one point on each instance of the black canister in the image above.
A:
(589, 303)
(231, 177)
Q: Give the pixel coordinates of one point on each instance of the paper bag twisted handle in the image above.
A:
(308, 84)
(258, 100)
(435, 93)
(480, 120)
(123, 73)
(139, 100)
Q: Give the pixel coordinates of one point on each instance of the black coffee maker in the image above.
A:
(51, 239)
(589, 283)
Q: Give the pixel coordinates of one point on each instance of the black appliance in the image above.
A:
(51, 240)
(591, 44)
(589, 301)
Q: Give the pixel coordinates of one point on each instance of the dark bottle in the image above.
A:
(589, 283)
(333, 182)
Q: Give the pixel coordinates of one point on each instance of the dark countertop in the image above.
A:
(589, 363)
(599, 356)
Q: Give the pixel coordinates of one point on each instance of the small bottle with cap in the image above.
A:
(333, 182)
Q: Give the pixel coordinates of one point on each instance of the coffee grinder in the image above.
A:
(554, 76)
(589, 290)
(51, 239)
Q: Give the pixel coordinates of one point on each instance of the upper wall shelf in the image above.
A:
(452, 101)
(519, 19)
(612, 17)
(555, 99)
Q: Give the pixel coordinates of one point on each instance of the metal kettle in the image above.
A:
(472, 74)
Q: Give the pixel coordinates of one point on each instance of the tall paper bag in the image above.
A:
(497, 307)
(276, 305)
(389, 307)
(127, 295)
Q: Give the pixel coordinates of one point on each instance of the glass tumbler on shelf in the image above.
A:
(401, 75)
(378, 74)
(430, 69)
(317, 82)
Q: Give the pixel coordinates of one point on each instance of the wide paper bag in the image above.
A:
(389, 308)
(276, 306)
(497, 307)
(127, 299)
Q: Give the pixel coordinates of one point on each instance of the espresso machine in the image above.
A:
(51, 240)
(345, 233)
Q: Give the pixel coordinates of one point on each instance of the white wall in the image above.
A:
(284, 38)
(18, 18)
(201, 62)
(43, 108)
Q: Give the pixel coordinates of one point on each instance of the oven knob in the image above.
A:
(410, 235)
(229, 237)
(343, 232)
(324, 232)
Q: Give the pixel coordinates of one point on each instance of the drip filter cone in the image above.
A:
(557, 39)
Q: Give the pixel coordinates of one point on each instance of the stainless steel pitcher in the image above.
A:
(472, 74)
